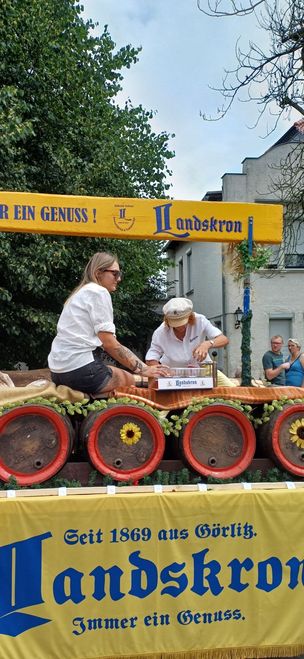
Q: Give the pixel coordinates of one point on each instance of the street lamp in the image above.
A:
(238, 315)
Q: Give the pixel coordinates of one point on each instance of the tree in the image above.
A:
(37, 275)
(272, 76)
(62, 131)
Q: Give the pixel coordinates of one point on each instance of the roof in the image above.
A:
(294, 134)
(213, 195)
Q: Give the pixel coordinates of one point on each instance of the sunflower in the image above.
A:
(297, 431)
(130, 433)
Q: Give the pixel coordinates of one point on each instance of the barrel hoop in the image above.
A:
(244, 426)
(288, 464)
(62, 428)
(126, 474)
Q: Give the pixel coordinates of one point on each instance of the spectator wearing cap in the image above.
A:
(185, 338)
(295, 373)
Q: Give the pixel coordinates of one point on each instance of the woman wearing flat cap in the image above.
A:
(295, 374)
(181, 338)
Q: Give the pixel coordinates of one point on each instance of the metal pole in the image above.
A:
(247, 274)
(247, 315)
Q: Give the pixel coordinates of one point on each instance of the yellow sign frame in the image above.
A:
(128, 218)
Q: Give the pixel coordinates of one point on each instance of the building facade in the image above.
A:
(203, 272)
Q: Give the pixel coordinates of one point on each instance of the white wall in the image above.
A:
(275, 295)
(270, 300)
(205, 288)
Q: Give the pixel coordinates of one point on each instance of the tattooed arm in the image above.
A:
(127, 358)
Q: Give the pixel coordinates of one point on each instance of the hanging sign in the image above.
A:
(115, 217)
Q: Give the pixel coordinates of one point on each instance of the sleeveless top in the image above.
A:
(295, 374)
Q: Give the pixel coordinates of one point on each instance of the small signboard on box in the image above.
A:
(197, 377)
(185, 383)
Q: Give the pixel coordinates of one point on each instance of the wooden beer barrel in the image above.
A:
(282, 438)
(35, 443)
(218, 441)
(125, 442)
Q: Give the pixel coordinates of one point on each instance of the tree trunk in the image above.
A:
(246, 349)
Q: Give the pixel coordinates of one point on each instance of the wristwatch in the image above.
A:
(212, 342)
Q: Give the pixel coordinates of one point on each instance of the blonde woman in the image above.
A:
(295, 372)
(85, 326)
(182, 338)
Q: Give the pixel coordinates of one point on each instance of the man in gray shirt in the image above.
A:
(273, 362)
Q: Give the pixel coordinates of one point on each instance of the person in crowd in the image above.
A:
(181, 340)
(85, 327)
(274, 364)
(295, 373)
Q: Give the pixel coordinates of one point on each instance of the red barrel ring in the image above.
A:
(284, 414)
(60, 458)
(128, 474)
(247, 432)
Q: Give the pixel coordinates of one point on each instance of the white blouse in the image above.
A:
(86, 313)
(168, 349)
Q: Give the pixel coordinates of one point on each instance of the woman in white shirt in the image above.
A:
(85, 326)
(185, 338)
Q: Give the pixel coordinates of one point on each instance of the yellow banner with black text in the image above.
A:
(118, 217)
(215, 574)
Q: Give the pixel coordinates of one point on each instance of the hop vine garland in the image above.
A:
(84, 407)
(97, 405)
(274, 406)
(63, 407)
(198, 405)
(172, 425)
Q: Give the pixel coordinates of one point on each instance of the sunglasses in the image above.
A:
(117, 274)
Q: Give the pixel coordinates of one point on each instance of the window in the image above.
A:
(274, 258)
(294, 260)
(283, 327)
(279, 259)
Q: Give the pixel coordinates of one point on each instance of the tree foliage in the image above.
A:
(63, 132)
(268, 74)
(244, 262)
(287, 184)
(272, 76)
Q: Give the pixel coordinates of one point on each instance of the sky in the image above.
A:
(184, 53)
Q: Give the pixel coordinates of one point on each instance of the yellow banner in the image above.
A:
(197, 574)
(139, 218)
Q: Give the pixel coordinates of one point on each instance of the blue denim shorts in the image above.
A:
(90, 379)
